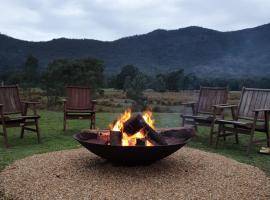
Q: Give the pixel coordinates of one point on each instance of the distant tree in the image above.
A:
(170, 81)
(134, 90)
(81, 72)
(128, 70)
(191, 82)
(128, 83)
(159, 84)
(175, 80)
(29, 75)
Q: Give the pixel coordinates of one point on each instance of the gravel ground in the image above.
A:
(78, 174)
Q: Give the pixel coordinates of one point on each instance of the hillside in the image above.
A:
(199, 50)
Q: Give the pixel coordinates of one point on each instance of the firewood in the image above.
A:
(137, 123)
(140, 142)
(134, 124)
(115, 138)
(154, 136)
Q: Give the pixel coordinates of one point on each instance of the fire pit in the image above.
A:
(133, 140)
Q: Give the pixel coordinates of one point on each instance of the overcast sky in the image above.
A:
(39, 20)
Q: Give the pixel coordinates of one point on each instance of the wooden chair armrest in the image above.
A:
(30, 102)
(189, 103)
(222, 107)
(27, 104)
(262, 110)
(225, 106)
(192, 105)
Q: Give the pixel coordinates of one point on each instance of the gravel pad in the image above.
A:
(79, 174)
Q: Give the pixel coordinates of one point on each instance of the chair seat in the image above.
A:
(242, 125)
(19, 119)
(80, 111)
(198, 117)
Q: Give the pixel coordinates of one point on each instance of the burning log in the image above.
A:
(140, 142)
(134, 124)
(115, 138)
(154, 136)
(137, 123)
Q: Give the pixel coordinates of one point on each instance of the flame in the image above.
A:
(118, 126)
(148, 117)
(131, 140)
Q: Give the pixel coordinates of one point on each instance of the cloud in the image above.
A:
(110, 20)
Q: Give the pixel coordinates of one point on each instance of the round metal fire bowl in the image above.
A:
(136, 155)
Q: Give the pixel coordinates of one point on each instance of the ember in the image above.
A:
(135, 130)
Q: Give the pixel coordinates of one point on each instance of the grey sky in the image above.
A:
(40, 20)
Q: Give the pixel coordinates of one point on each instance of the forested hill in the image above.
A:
(199, 50)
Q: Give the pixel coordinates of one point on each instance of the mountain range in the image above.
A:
(202, 51)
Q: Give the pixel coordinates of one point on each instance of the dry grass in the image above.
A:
(187, 174)
(170, 98)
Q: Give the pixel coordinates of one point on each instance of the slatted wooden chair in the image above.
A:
(13, 113)
(79, 105)
(251, 116)
(203, 111)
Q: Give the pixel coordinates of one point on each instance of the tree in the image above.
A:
(135, 90)
(159, 84)
(128, 70)
(80, 72)
(30, 76)
(175, 80)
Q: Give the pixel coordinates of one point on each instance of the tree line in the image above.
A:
(90, 72)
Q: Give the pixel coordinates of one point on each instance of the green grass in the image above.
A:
(54, 139)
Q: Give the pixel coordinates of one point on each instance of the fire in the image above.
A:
(118, 126)
(131, 140)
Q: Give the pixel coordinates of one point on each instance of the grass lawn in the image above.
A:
(54, 139)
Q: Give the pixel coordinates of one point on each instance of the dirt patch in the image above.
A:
(187, 174)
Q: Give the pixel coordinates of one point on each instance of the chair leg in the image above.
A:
(268, 139)
(236, 138)
(22, 132)
(93, 122)
(220, 128)
(5, 137)
(65, 122)
(236, 134)
(211, 134)
(183, 121)
(38, 131)
(195, 126)
(250, 142)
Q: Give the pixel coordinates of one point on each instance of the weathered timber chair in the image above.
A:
(79, 105)
(252, 115)
(203, 110)
(13, 113)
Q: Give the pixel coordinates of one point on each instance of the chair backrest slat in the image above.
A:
(210, 96)
(78, 98)
(252, 99)
(9, 97)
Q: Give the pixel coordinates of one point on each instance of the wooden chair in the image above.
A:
(79, 105)
(203, 111)
(13, 113)
(252, 116)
